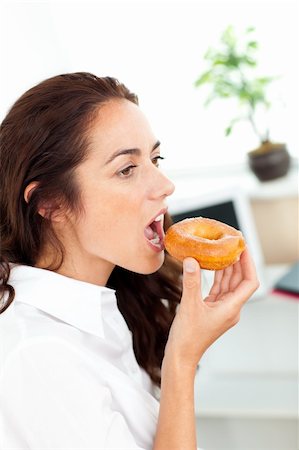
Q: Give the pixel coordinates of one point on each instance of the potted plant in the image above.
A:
(228, 74)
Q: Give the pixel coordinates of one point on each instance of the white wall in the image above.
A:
(157, 48)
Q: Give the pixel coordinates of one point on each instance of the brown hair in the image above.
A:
(43, 138)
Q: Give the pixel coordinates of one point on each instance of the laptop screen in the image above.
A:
(224, 212)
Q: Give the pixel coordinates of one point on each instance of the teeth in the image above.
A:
(159, 218)
(155, 239)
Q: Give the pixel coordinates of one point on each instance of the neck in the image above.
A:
(80, 267)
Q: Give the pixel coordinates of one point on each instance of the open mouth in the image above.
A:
(154, 232)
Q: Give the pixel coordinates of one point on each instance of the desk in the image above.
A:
(246, 389)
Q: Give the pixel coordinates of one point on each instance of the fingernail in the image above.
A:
(189, 265)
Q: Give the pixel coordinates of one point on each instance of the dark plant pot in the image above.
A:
(270, 161)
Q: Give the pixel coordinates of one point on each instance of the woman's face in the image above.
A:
(123, 192)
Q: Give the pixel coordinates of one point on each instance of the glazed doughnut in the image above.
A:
(213, 244)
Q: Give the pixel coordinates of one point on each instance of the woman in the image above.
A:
(89, 324)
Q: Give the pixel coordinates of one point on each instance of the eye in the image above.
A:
(126, 172)
(155, 160)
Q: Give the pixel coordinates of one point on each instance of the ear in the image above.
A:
(56, 216)
(29, 189)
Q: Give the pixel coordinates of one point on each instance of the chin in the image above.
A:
(151, 266)
(143, 264)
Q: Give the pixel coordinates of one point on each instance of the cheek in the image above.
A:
(110, 219)
(114, 214)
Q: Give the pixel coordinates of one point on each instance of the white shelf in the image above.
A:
(246, 397)
(252, 370)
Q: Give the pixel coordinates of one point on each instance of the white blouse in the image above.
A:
(69, 379)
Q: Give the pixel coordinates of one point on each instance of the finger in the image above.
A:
(227, 274)
(215, 289)
(236, 277)
(249, 282)
(248, 266)
(191, 280)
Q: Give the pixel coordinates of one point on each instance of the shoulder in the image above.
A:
(40, 362)
(26, 331)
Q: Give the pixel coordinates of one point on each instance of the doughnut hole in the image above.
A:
(211, 235)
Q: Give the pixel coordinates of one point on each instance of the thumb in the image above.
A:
(191, 279)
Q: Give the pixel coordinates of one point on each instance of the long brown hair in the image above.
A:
(43, 138)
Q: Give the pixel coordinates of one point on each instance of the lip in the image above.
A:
(161, 246)
(156, 249)
(163, 211)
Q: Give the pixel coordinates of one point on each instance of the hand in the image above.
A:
(199, 322)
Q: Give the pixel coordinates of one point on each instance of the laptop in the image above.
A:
(289, 282)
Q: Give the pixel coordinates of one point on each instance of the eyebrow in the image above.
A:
(129, 151)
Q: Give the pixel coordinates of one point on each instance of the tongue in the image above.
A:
(149, 233)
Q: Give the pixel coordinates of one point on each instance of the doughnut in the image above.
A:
(215, 245)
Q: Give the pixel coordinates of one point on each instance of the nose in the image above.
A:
(161, 185)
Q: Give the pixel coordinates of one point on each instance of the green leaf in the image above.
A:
(228, 37)
(219, 61)
(204, 78)
(228, 130)
(250, 62)
(252, 44)
(263, 81)
(234, 60)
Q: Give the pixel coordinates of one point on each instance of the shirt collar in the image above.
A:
(75, 302)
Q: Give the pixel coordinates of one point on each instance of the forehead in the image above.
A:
(120, 124)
